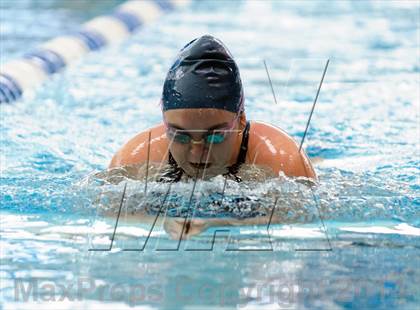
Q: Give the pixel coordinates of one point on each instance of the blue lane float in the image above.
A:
(50, 61)
(9, 89)
(131, 21)
(165, 5)
(92, 39)
(52, 56)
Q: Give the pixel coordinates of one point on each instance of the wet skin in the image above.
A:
(202, 159)
(268, 146)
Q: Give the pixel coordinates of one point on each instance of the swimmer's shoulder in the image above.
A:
(271, 146)
(136, 150)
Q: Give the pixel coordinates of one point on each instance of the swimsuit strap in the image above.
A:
(233, 170)
(175, 172)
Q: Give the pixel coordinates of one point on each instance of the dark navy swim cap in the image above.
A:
(204, 75)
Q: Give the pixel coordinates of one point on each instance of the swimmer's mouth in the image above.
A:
(200, 165)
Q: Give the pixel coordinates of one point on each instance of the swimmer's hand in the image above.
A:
(134, 172)
(180, 228)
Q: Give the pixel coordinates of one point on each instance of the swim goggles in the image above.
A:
(212, 136)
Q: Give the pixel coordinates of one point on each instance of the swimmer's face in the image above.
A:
(203, 142)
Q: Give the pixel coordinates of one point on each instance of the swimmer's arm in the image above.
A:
(137, 150)
(292, 163)
(270, 146)
(297, 164)
(259, 220)
(179, 227)
(133, 152)
(175, 227)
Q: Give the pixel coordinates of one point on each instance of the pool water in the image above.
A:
(25, 24)
(351, 242)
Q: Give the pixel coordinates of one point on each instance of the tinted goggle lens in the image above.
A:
(215, 138)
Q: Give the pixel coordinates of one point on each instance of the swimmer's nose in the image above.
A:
(198, 153)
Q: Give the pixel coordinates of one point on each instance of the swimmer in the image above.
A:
(205, 133)
(204, 130)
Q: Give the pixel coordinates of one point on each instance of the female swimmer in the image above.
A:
(205, 132)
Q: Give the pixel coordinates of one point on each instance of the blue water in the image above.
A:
(25, 24)
(365, 128)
